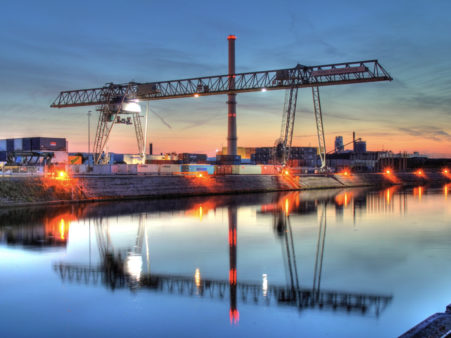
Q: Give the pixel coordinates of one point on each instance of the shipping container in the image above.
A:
(246, 170)
(2, 156)
(268, 169)
(60, 157)
(132, 159)
(148, 169)
(170, 168)
(192, 158)
(2, 145)
(162, 162)
(116, 158)
(132, 169)
(101, 170)
(228, 159)
(77, 159)
(210, 169)
(120, 169)
(80, 168)
(223, 169)
(124, 169)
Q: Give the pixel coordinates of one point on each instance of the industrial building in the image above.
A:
(299, 156)
(34, 150)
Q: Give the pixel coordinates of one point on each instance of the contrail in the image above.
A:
(161, 118)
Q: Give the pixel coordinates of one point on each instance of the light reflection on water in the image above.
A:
(340, 262)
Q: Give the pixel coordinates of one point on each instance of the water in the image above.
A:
(354, 263)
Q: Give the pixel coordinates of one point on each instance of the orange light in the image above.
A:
(388, 171)
(445, 171)
(196, 95)
(62, 229)
(60, 175)
(420, 172)
(231, 37)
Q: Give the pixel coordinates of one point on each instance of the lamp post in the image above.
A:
(89, 138)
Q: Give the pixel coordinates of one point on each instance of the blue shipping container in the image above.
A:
(210, 169)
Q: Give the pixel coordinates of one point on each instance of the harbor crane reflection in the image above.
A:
(123, 269)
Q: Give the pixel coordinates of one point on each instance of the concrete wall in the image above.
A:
(92, 187)
(152, 186)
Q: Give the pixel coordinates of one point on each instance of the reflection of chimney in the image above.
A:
(234, 314)
(150, 149)
(353, 140)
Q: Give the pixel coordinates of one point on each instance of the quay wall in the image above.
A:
(20, 191)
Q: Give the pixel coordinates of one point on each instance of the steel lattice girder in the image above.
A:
(301, 76)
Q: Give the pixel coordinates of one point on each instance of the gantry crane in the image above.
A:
(112, 99)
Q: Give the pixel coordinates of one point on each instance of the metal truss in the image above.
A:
(303, 298)
(139, 133)
(319, 127)
(301, 76)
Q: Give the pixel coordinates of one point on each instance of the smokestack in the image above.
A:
(353, 140)
(231, 100)
(150, 149)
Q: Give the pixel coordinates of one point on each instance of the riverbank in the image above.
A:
(16, 191)
(437, 325)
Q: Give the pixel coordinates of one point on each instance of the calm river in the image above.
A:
(337, 263)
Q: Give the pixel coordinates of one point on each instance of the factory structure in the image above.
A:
(42, 152)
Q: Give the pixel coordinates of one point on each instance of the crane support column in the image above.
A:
(319, 127)
(231, 100)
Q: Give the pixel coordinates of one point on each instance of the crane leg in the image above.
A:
(139, 133)
(282, 148)
(319, 127)
(319, 253)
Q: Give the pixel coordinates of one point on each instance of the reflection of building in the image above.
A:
(37, 235)
(52, 231)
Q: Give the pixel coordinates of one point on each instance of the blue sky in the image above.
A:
(49, 46)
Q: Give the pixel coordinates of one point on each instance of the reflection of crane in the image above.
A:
(113, 98)
(114, 273)
(316, 297)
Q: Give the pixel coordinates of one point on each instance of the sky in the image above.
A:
(50, 46)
